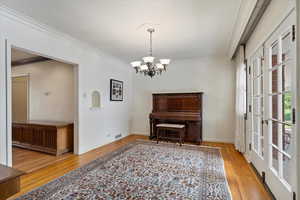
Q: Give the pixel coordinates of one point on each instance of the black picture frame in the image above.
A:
(116, 90)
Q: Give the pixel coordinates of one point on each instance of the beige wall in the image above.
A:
(19, 98)
(51, 90)
(214, 76)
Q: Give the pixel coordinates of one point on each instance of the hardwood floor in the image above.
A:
(30, 161)
(241, 178)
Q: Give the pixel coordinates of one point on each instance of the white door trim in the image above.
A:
(8, 104)
(3, 103)
(298, 95)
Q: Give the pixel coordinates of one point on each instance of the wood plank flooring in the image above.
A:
(241, 178)
(30, 161)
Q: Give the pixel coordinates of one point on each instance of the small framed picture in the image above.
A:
(116, 90)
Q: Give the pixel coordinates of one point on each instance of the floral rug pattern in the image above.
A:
(144, 170)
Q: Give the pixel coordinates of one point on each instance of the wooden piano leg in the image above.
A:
(154, 130)
(181, 134)
(157, 133)
(151, 129)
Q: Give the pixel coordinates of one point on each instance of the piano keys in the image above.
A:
(179, 108)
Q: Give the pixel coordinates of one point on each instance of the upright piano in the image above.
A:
(179, 108)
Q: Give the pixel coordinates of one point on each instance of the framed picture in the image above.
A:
(116, 90)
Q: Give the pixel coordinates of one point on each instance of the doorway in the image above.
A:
(43, 108)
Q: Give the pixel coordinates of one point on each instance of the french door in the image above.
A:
(257, 98)
(273, 100)
(280, 57)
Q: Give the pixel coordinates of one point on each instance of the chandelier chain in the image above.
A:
(150, 43)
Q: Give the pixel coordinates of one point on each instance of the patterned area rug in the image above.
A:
(144, 170)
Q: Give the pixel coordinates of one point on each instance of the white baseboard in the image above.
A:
(205, 139)
(139, 133)
(218, 140)
(247, 157)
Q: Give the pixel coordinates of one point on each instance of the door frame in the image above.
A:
(28, 91)
(298, 92)
(3, 103)
(6, 135)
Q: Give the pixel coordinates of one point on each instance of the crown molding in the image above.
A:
(255, 17)
(29, 21)
(244, 14)
(32, 23)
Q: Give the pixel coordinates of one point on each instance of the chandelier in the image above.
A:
(148, 67)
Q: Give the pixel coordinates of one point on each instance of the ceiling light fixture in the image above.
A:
(148, 67)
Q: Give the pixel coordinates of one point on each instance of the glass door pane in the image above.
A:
(257, 102)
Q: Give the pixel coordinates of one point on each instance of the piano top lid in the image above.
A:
(177, 102)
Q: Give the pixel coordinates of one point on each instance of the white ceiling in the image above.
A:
(186, 28)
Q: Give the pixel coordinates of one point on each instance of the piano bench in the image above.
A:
(179, 128)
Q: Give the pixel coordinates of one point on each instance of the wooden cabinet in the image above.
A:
(9, 181)
(49, 137)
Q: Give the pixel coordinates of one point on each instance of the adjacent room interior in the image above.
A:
(43, 110)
